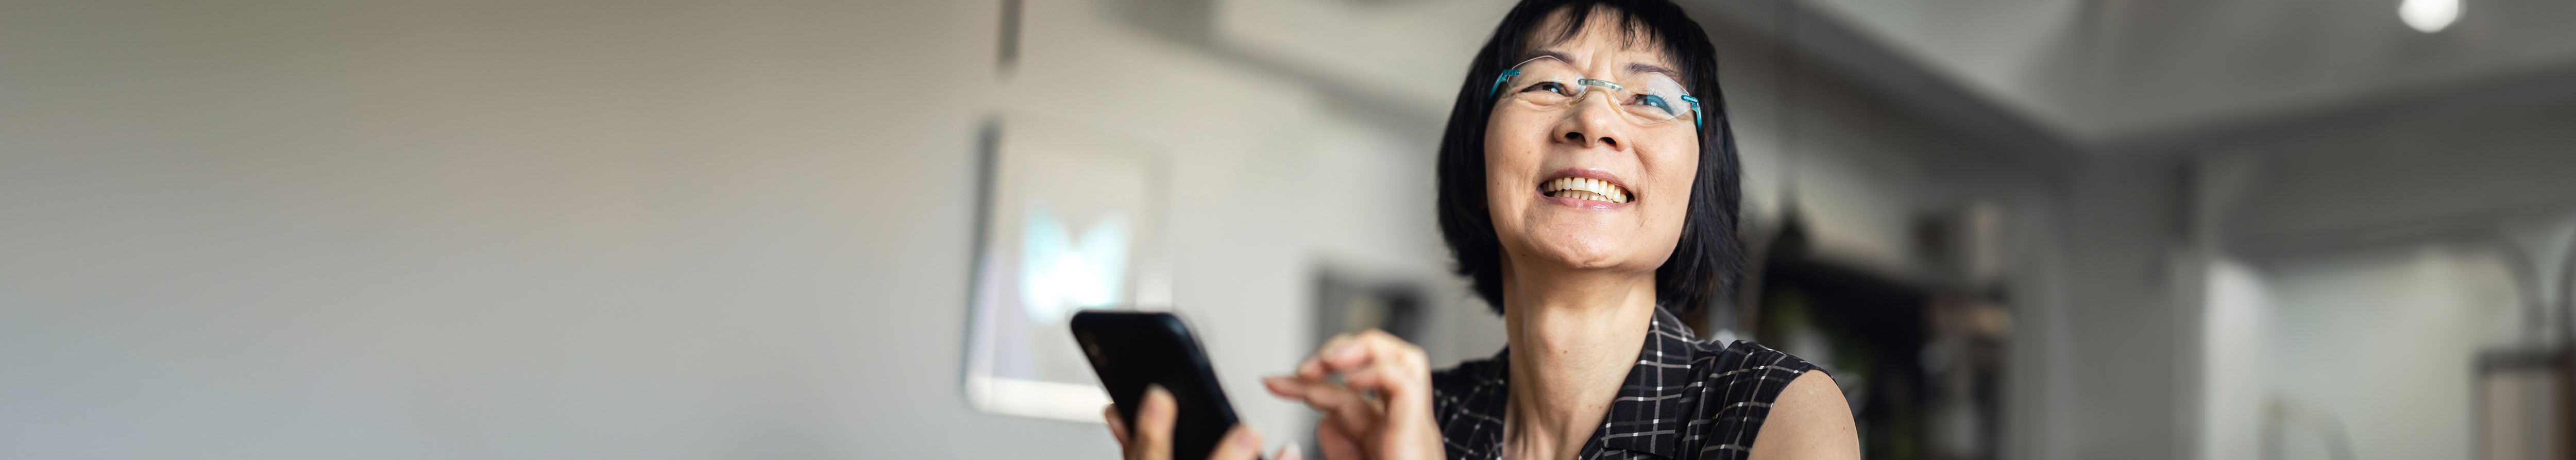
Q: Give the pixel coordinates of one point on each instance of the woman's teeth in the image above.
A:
(1584, 189)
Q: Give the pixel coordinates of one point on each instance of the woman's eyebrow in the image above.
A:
(1559, 55)
(1640, 67)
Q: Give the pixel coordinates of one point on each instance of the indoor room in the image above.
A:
(1990, 229)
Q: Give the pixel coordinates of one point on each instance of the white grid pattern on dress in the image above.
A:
(1685, 399)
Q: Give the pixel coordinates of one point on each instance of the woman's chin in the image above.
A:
(1583, 254)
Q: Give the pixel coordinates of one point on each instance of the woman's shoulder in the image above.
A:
(1742, 373)
(1769, 403)
(1736, 357)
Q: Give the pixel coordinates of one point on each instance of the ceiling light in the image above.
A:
(2428, 16)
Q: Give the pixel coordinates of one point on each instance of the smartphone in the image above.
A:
(1130, 349)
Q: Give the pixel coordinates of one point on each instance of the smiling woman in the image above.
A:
(1588, 223)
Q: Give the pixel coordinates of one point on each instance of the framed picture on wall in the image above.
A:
(1070, 218)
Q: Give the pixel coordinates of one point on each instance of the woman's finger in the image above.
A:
(1341, 406)
(1342, 354)
(1366, 349)
(1370, 349)
(1240, 443)
(1380, 407)
(1117, 426)
(1400, 375)
(1376, 361)
(1337, 444)
(1289, 452)
(1313, 367)
(1284, 386)
(1365, 379)
(1153, 427)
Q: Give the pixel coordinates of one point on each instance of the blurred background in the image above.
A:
(2013, 229)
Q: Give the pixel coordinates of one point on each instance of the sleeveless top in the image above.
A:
(1685, 399)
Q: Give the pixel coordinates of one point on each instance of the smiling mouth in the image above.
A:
(1584, 189)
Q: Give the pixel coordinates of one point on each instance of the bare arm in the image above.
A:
(1809, 421)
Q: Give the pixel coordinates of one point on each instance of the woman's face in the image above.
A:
(1646, 169)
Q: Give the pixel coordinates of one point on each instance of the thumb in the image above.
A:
(1153, 425)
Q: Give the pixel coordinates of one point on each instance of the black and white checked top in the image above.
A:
(1685, 399)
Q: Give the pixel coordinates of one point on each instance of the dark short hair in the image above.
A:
(1708, 259)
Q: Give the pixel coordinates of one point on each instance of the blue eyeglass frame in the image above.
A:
(1698, 120)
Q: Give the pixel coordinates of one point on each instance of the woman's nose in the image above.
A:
(1593, 124)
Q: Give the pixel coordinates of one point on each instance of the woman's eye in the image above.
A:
(1547, 86)
(1657, 102)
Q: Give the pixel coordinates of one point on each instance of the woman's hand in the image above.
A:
(1152, 435)
(1382, 408)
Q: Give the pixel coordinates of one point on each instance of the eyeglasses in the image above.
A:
(1546, 82)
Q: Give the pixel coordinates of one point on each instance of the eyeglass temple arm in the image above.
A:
(1698, 119)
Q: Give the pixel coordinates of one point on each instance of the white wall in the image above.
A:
(596, 229)
(502, 230)
(2384, 342)
(2236, 336)
(2389, 254)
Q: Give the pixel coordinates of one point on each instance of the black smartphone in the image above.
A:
(1130, 349)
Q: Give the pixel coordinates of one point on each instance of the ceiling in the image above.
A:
(2099, 77)
(2114, 71)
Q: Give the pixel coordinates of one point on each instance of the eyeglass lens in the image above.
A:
(1548, 82)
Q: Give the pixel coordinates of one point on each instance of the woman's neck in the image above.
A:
(1574, 336)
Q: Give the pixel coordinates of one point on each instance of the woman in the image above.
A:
(1588, 187)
